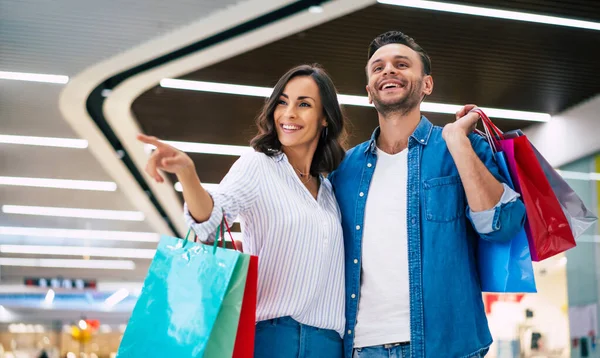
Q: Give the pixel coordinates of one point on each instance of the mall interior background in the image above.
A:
(68, 284)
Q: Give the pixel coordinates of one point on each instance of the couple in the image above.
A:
(378, 258)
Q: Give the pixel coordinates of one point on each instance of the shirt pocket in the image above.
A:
(444, 199)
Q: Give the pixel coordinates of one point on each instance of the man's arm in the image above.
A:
(483, 190)
(494, 208)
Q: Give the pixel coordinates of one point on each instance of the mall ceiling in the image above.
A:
(490, 62)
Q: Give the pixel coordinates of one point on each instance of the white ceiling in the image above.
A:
(66, 37)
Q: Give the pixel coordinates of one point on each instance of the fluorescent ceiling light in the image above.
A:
(206, 186)
(44, 141)
(316, 9)
(579, 175)
(205, 148)
(66, 263)
(343, 99)
(34, 77)
(49, 296)
(216, 87)
(116, 297)
(499, 14)
(78, 251)
(59, 183)
(74, 212)
(79, 234)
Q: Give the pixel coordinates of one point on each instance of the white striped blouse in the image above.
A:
(297, 239)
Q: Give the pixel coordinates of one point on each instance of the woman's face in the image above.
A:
(299, 116)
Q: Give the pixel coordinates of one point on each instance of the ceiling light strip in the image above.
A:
(206, 186)
(44, 141)
(352, 100)
(494, 13)
(49, 296)
(116, 297)
(34, 77)
(66, 263)
(74, 212)
(77, 234)
(78, 251)
(223, 149)
(59, 183)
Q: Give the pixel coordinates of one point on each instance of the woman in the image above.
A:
(289, 215)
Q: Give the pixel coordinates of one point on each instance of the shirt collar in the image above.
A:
(421, 134)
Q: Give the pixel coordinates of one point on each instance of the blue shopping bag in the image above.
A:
(506, 266)
(180, 300)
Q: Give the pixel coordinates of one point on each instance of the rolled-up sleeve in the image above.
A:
(487, 221)
(507, 217)
(236, 194)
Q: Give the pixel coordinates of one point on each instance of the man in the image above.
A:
(415, 199)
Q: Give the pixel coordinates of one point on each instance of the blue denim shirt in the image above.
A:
(447, 316)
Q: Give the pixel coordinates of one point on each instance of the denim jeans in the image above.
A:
(385, 351)
(286, 338)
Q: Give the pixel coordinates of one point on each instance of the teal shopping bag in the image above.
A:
(180, 300)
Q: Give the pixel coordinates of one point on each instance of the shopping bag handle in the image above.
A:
(188, 235)
(196, 239)
(492, 132)
(221, 234)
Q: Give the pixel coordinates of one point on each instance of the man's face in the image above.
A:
(396, 79)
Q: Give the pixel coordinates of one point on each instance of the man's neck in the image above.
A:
(396, 128)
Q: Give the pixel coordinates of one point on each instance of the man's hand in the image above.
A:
(465, 123)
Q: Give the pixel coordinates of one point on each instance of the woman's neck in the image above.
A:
(300, 157)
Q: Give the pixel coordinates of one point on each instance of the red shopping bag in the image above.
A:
(244, 340)
(547, 227)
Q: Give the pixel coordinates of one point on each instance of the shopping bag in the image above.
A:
(180, 300)
(244, 341)
(233, 333)
(223, 335)
(506, 266)
(547, 227)
(579, 217)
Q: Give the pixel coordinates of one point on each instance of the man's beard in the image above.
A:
(402, 106)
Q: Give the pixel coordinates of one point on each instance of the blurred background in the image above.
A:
(80, 221)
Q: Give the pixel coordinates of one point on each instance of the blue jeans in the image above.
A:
(385, 351)
(286, 338)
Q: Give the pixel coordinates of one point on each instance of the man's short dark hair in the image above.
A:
(397, 37)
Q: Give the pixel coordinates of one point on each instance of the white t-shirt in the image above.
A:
(384, 306)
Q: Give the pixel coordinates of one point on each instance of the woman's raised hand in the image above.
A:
(165, 158)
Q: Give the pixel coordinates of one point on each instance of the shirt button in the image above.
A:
(353, 295)
(369, 165)
(355, 261)
(422, 140)
(349, 331)
(358, 227)
(413, 221)
(361, 194)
